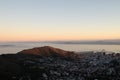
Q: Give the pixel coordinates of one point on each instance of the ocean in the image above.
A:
(14, 47)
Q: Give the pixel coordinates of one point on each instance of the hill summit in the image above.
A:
(47, 51)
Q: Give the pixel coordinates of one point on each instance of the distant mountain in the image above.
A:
(103, 42)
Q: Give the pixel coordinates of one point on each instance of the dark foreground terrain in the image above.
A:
(48, 63)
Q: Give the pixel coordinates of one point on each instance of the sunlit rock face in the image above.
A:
(47, 51)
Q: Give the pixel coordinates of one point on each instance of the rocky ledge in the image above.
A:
(48, 63)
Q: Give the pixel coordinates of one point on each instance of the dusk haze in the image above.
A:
(59, 39)
(59, 20)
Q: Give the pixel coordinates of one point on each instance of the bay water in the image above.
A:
(14, 47)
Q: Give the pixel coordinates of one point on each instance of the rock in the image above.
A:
(48, 51)
(45, 76)
(47, 63)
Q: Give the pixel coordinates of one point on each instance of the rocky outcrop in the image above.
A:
(44, 63)
(48, 51)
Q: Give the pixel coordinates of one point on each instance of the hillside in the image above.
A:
(48, 51)
(48, 63)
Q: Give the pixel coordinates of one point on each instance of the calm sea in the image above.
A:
(14, 47)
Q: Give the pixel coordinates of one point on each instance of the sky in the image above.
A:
(52, 20)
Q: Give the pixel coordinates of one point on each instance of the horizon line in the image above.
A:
(60, 40)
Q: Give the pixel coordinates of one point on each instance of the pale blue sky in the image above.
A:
(34, 20)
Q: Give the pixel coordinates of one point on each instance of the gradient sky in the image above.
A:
(39, 20)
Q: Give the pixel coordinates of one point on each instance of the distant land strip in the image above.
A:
(88, 42)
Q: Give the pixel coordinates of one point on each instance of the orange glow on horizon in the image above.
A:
(55, 37)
